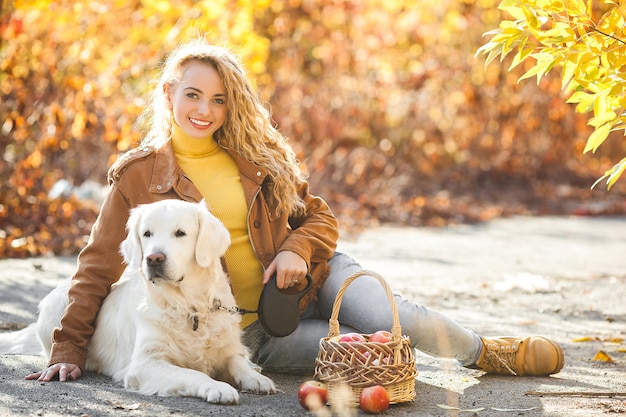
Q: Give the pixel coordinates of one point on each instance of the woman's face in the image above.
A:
(198, 100)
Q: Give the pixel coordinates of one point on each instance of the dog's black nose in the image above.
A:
(155, 259)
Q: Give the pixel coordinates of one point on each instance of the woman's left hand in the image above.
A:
(289, 267)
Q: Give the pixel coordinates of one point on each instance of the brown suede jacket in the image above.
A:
(146, 175)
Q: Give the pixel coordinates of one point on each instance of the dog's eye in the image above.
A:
(147, 233)
(180, 233)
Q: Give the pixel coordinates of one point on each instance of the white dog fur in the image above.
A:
(170, 325)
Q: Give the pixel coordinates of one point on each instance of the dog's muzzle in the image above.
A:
(155, 263)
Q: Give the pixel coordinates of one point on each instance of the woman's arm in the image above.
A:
(100, 264)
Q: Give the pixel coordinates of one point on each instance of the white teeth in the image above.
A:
(200, 122)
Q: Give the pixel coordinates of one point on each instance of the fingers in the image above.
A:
(289, 279)
(65, 371)
(48, 374)
(289, 267)
(34, 375)
(75, 373)
(268, 272)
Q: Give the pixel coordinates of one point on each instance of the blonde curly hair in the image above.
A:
(248, 129)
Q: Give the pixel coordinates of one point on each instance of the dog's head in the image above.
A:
(168, 238)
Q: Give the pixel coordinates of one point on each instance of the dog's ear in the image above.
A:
(213, 237)
(130, 248)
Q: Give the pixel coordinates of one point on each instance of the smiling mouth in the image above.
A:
(200, 123)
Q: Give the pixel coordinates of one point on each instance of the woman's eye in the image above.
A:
(192, 95)
(219, 101)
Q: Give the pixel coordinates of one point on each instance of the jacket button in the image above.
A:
(158, 187)
(268, 256)
(257, 224)
(258, 174)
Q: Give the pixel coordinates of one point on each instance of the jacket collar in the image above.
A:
(168, 175)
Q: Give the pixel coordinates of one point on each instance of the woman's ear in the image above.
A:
(167, 92)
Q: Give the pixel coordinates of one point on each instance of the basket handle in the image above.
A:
(333, 323)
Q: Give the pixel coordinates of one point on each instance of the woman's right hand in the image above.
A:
(64, 370)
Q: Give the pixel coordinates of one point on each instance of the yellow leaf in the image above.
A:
(597, 137)
(569, 66)
(602, 356)
(583, 339)
(516, 12)
(616, 172)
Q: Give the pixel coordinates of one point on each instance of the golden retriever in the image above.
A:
(170, 326)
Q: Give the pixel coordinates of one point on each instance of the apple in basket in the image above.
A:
(381, 336)
(312, 395)
(352, 337)
(374, 400)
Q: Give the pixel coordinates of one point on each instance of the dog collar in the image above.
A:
(217, 306)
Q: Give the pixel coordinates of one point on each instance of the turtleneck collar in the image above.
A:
(189, 146)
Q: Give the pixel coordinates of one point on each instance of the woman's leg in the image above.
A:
(365, 308)
(293, 354)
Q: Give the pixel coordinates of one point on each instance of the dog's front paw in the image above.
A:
(257, 383)
(220, 393)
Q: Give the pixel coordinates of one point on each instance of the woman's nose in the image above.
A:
(204, 108)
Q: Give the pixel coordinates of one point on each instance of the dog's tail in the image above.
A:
(22, 342)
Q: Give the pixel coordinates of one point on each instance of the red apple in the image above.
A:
(381, 336)
(312, 395)
(352, 337)
(374, 400)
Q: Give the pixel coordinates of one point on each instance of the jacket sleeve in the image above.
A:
(314, 234)
(100, 264)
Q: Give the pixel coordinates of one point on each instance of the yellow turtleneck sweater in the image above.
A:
(216, 176)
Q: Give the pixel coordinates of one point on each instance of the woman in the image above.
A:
(211, 138)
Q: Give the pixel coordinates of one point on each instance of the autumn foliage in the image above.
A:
(586, 41)
(392, 116)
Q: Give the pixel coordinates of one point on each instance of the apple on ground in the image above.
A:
(374, 400)
(312, 395)
(381, 336)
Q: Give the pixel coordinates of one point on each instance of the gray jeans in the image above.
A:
(364, 309)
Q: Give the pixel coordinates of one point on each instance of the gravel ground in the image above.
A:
(561, 277)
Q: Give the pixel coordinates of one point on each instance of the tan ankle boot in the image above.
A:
(534, 355)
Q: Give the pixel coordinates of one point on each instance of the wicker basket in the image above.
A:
(358, 365)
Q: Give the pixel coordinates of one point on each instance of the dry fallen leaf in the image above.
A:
(121, 406)
(584, 339)
(513, 409)
(602, 356)
(467, 410)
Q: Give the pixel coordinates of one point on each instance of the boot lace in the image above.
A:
(501, 357)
